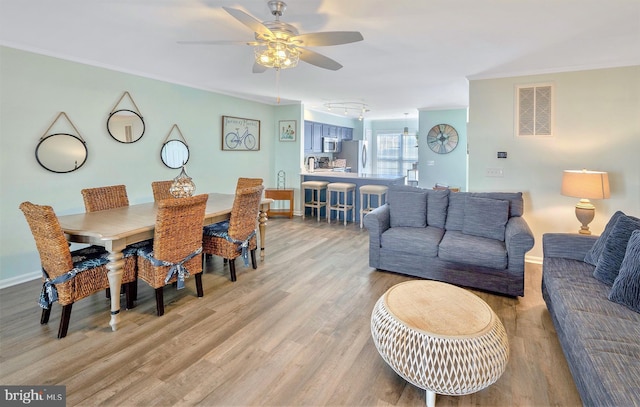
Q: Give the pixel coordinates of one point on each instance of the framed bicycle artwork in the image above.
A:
(287, 130)
(240, 134)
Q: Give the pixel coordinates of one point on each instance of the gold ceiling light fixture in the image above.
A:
(279, 45)
(357, 109)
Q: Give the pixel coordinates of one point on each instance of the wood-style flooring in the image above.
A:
(294, 332)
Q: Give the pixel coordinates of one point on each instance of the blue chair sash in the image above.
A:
(221, 230)
(174, 268)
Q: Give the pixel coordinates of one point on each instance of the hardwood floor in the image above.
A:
(294, 332)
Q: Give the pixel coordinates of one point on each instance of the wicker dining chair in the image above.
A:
(102, 198)
(161, 190)
(68, 275)
(248, 182)
(237, 236)
(109, 197)
(176, 249)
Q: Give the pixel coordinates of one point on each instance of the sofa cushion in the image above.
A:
(614, 249)
(626, 287)
(408, 207)
(485, 217)
(468, 249)
(516, 204)
(422, 241)
(455, 211)
(437, 203)
(593, 255)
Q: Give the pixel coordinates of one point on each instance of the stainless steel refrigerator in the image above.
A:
(356, 153)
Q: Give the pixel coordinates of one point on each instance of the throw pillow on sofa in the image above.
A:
(614, 249)
(593, 255)
(407, 206)
(626, 287)
(485, 217)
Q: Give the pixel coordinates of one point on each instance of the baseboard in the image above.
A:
(8, 282)
(533, 259)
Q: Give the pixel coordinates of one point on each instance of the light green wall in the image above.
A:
(447, 169)
(597, 126)
(35, 88)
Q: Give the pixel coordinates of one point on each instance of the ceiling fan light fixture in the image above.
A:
(277, 54)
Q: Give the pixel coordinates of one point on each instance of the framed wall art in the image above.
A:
(239, 134)
(287, 130)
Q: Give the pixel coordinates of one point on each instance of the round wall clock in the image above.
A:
(442, 138)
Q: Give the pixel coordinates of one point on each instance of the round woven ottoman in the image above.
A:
(439, 337)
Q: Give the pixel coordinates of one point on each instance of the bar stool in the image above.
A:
(365, 205)
(346, 190)
(316, 202)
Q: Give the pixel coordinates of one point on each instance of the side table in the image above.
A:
(285, 194)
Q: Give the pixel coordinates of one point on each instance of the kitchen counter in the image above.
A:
(359, 179)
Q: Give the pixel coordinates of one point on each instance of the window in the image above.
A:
(534, 110)
(395, 153)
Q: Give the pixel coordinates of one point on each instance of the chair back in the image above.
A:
(244, 213)
(102, 198)
(248, 182)
(161, 190)
(178, 231)
(52, 246)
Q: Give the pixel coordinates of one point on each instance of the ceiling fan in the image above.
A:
(279, 45)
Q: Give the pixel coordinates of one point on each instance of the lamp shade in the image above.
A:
(585, 184)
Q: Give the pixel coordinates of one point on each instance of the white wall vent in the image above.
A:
(534, 110)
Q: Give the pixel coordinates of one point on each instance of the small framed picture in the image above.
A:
(287, 130)
(239, 134)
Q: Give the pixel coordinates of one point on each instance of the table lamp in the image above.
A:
(585, 185)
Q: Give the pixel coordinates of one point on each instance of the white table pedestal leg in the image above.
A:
(262, 227)
(431, 398)
(116, 262)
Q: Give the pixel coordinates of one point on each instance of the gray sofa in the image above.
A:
(600, 338)
(476, 240)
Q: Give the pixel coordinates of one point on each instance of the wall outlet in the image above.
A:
(494, 172)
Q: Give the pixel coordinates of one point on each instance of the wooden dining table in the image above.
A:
(114, 229)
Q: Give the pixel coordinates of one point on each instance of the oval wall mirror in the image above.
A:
(61, 152)
(174, 154)
(125, 125)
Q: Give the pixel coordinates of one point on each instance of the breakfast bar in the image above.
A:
(359, 179)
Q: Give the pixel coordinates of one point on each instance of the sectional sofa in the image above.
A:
(591, 286)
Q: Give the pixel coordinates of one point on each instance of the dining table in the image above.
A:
(114, 229)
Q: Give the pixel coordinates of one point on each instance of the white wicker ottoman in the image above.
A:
(439, 337)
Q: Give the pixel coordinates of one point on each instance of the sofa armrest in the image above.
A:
(518, 239)
(567, 245)
(376, 222)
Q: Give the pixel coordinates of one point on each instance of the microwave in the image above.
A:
(331, 145)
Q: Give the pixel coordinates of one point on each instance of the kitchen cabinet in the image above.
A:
(312, 137)
(314, 132)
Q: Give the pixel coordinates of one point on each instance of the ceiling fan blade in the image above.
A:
(252, 43)
(327, 38)
(257, 68)
(249, 21)
(319, 60)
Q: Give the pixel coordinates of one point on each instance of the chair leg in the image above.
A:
(129, 294)
(134, 289)
(160, 301)
(64, 320)
(254, 263)
(232, 269)
(199, 285)
(44, 318)
(107, 293)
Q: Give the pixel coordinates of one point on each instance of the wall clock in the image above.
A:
(442, 138)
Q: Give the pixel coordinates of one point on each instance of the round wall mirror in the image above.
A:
(61, 152)
(125, 125)
(174, 154)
